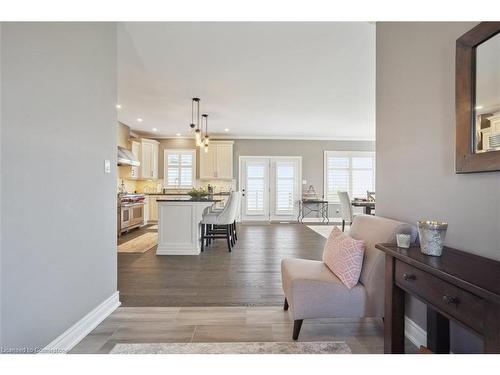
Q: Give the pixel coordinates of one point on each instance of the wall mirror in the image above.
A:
(478, 99)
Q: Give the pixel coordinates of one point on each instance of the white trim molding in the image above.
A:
(74, 334)
(416, 334)
(216, 137)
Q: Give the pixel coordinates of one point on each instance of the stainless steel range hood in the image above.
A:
(126, 157)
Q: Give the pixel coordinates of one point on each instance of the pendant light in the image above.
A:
(206, 138)
(192, 125)
(197, 132)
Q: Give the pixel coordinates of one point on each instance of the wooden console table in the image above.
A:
(459, 286)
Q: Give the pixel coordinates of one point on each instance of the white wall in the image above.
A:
(58, 216)
(416, 146)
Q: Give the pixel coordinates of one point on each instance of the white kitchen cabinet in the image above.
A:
(146, 210)
(217, 163)
(153, 207)
(149, 159)
(136, 151)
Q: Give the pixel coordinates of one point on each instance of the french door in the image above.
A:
(271, 187)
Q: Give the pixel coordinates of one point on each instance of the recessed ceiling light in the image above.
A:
(226, 130)
(139, 119)
(479, 107)
(178, 134)
(154, 129)
(118, 106)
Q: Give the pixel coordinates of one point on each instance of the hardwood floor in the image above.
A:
(222, 297)
(248, 276)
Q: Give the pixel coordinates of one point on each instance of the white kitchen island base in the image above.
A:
(179, 226)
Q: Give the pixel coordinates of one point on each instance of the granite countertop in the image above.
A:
(188, 200)
(218, 194)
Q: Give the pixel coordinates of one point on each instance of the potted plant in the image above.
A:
(198, 193)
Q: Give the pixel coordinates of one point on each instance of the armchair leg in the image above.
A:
(235, 233)
(297, 324)
(343, 225)
(285, 305)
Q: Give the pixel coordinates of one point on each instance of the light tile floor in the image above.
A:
(225, 324)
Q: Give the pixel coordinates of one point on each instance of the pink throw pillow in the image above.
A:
(344, 256)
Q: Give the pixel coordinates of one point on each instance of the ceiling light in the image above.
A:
(118, 106)
(154, 129)
(226, 130)
(178, 134)
(139, 119)
(479, 107)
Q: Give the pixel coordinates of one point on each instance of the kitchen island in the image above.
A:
(179, 225)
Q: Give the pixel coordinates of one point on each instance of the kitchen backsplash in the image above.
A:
(132, 186)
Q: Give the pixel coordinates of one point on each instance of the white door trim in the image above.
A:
(256, 217)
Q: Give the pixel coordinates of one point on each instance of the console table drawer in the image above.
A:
(457, 303)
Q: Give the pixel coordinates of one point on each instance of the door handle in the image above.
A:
(409, 277)
(450, 300)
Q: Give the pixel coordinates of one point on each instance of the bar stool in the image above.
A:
(221, 224)
(211, 210)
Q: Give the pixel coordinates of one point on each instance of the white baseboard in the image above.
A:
(73, 335)
(176, 250)
(416, 334)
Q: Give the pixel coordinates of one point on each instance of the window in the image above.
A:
(351, 171)
(179, 169)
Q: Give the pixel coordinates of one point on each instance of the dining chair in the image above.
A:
(345, 208)
(370, 195)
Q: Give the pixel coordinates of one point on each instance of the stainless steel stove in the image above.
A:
(130, 212)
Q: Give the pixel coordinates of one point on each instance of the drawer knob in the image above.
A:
(409, 276)
(449, 300)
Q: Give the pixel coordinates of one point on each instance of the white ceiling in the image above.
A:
(260, 80)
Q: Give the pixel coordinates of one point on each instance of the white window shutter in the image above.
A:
(349, 171)
(285, 181)
(179, 168)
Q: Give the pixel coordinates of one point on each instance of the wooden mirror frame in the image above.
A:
(468, 161)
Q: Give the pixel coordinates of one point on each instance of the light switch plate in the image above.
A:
(107, 166)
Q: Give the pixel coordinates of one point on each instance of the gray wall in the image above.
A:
(58, 216)
(311, 152)
(416, 146)
(1, 179)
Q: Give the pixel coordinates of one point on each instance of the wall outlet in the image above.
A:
(107, 166)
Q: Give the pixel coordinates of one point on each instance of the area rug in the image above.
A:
(323, 230)
(319, 347)
(139, 244)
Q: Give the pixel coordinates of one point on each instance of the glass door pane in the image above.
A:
(285, 187)
(255, 189)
